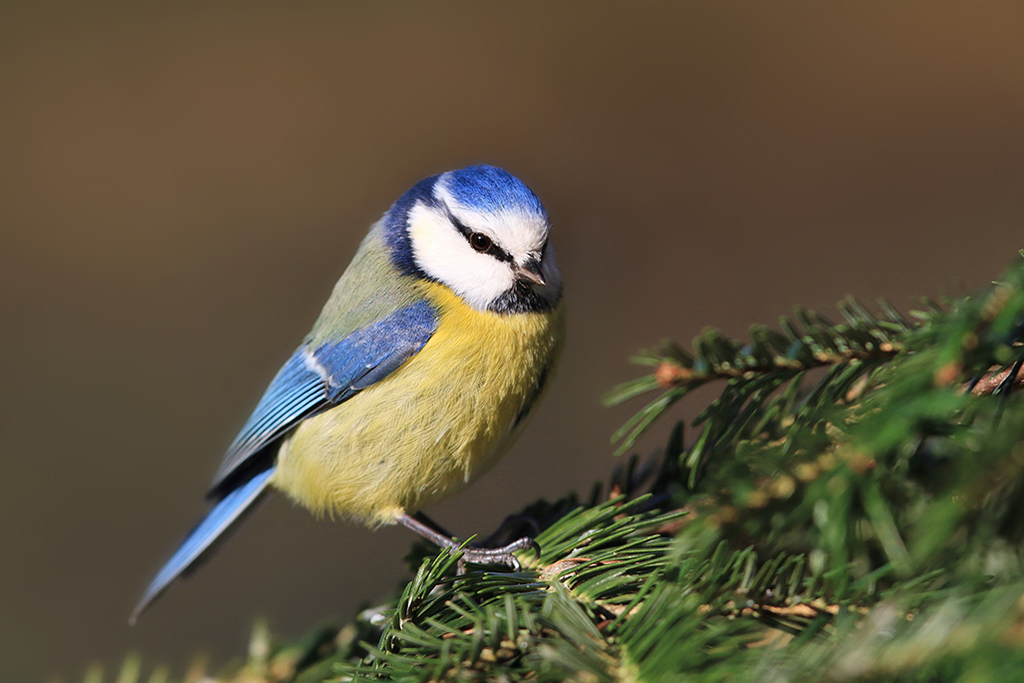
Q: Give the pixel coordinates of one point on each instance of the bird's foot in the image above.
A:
(504, 555)
(470, 554)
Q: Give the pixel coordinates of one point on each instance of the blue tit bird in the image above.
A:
(422, 368)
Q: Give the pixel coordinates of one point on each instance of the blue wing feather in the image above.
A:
(293, 391)
(370, 354)
(317, 379)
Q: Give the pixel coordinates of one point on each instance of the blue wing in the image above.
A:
(315, 379)
(318, 378)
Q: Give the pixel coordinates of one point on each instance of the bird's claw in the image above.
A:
(504, 555)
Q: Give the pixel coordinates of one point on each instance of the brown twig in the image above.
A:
(990, 382)
(670, 374)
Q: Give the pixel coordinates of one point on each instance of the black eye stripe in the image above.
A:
(493, 250)
(460, 226)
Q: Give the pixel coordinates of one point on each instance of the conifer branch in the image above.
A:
(772, 358)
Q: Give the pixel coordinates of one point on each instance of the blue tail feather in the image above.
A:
(222, 516)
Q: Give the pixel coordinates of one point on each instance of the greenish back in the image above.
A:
(369, 289)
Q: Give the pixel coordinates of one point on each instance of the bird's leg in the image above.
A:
(426, 528)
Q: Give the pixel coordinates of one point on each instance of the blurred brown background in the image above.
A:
(181, 186)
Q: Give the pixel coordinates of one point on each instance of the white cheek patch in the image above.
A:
(445, 255)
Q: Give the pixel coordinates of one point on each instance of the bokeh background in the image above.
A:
(181, 185)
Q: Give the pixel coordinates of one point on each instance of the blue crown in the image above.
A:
(492, 189)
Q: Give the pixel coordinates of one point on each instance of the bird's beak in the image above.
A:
(530, 270)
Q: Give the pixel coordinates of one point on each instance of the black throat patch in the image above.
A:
(523, 298)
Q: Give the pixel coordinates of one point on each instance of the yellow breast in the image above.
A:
(431, 427)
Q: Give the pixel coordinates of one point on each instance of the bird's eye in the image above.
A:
(480, 241)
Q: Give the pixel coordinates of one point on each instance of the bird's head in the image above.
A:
(481, 232)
